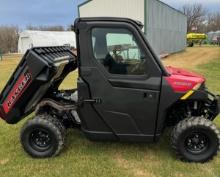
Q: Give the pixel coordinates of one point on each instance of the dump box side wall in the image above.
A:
(40, 70)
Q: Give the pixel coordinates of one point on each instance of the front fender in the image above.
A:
(217, 99)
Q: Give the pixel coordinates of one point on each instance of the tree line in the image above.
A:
(199, 19)
(8, 39)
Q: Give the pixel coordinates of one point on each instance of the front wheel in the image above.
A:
(195, 140)
(42, 137)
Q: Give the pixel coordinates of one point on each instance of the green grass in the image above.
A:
(211, 71)
(83, 158)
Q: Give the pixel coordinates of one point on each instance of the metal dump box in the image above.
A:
(41, 70)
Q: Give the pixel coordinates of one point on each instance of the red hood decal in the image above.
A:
(182, 80)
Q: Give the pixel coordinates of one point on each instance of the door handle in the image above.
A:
(93, 101)
(150, 95)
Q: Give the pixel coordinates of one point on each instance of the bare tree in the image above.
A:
(195, 15)
(8, 39)
(69, 28)
(213, 22)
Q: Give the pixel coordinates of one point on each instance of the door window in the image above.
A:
(118, 51)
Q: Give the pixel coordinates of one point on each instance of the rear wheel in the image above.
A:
(195, 140)
(43, 136)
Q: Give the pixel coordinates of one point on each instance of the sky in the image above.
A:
(210, 5)
(62, 12)
(38, 12)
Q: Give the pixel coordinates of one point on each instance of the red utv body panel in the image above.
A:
(20, 86)
(182, 80)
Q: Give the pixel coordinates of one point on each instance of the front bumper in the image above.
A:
(215, 104)
(212, 102)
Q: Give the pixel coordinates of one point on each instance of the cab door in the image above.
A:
(122, 79)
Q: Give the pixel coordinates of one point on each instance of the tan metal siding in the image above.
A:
(114, 8)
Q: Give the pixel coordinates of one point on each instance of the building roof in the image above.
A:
(50, 38)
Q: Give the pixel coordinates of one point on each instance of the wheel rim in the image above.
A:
(40, 139)
(197, 142)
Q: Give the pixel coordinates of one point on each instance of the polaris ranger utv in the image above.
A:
(124, 93)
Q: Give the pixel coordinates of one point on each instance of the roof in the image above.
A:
(171, 7)
(83, 3)
(113, 19)
(214, 32)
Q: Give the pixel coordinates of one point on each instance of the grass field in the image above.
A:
(83, 158)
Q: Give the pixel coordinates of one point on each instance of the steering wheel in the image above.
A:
(138, 67)
(116, 54)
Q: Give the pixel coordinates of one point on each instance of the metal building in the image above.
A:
(29, 39)
(164, 26)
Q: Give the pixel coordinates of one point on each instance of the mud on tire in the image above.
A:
(43, 136)
(195, 140)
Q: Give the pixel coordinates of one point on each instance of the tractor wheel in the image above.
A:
(195, 140)
(43, 136)
(190, 44)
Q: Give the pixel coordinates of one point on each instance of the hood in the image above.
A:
(182, 72)
(182, 80)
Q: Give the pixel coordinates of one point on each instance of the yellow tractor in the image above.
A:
(195, 38)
